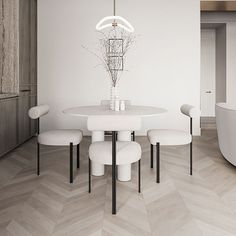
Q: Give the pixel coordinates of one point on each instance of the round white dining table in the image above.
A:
(124, 171)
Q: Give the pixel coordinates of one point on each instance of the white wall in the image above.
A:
(164, 64)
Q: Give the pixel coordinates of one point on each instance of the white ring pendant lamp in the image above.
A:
(117, 21)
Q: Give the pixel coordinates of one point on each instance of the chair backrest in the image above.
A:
(190, 111)
(226, 129)
(114, 123)
(38, 111)
(107, 102)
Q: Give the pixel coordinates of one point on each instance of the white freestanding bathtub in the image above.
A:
(226, 129)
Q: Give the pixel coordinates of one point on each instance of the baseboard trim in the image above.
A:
(208, 122)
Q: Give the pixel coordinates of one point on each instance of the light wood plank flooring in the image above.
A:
(202, 204)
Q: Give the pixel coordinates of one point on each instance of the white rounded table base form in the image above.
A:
(124, 171)
(97, 169)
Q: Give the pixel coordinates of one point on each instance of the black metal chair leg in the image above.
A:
(151, 156)
(158, 163)
(89, 176)
(133, 136)
(191, 158)
(139, 176)
(71, 162)
(78, 156)
(191, 146)
(38, 159)
(113, 172)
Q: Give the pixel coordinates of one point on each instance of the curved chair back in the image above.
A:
(113, 123)
(190, 111)
(107, 102)
(226, 129)
(38, 111)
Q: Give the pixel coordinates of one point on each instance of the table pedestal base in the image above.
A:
(124, 171)
(97, 169)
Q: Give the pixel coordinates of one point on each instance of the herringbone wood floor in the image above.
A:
(202, 204)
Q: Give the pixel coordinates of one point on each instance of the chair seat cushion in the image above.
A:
(169, 137)
(126, 152)
(61, 137)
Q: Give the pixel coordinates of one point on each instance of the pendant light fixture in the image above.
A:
(117, 21)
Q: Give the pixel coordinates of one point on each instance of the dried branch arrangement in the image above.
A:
(113, 48)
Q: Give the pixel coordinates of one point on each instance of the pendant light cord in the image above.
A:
(114, 24)
(123, 23)
(114, 7)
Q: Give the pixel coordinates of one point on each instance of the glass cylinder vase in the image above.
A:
(113, 96)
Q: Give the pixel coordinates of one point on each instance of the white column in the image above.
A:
(124, 171)
(97, 169)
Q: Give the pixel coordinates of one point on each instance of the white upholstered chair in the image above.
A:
(61, 137)
(127, 103)
(165, 137)
(114, 153)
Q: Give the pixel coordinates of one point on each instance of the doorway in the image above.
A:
(213, 71)
(208, 72)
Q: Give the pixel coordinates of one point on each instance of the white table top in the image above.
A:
(142, 111)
